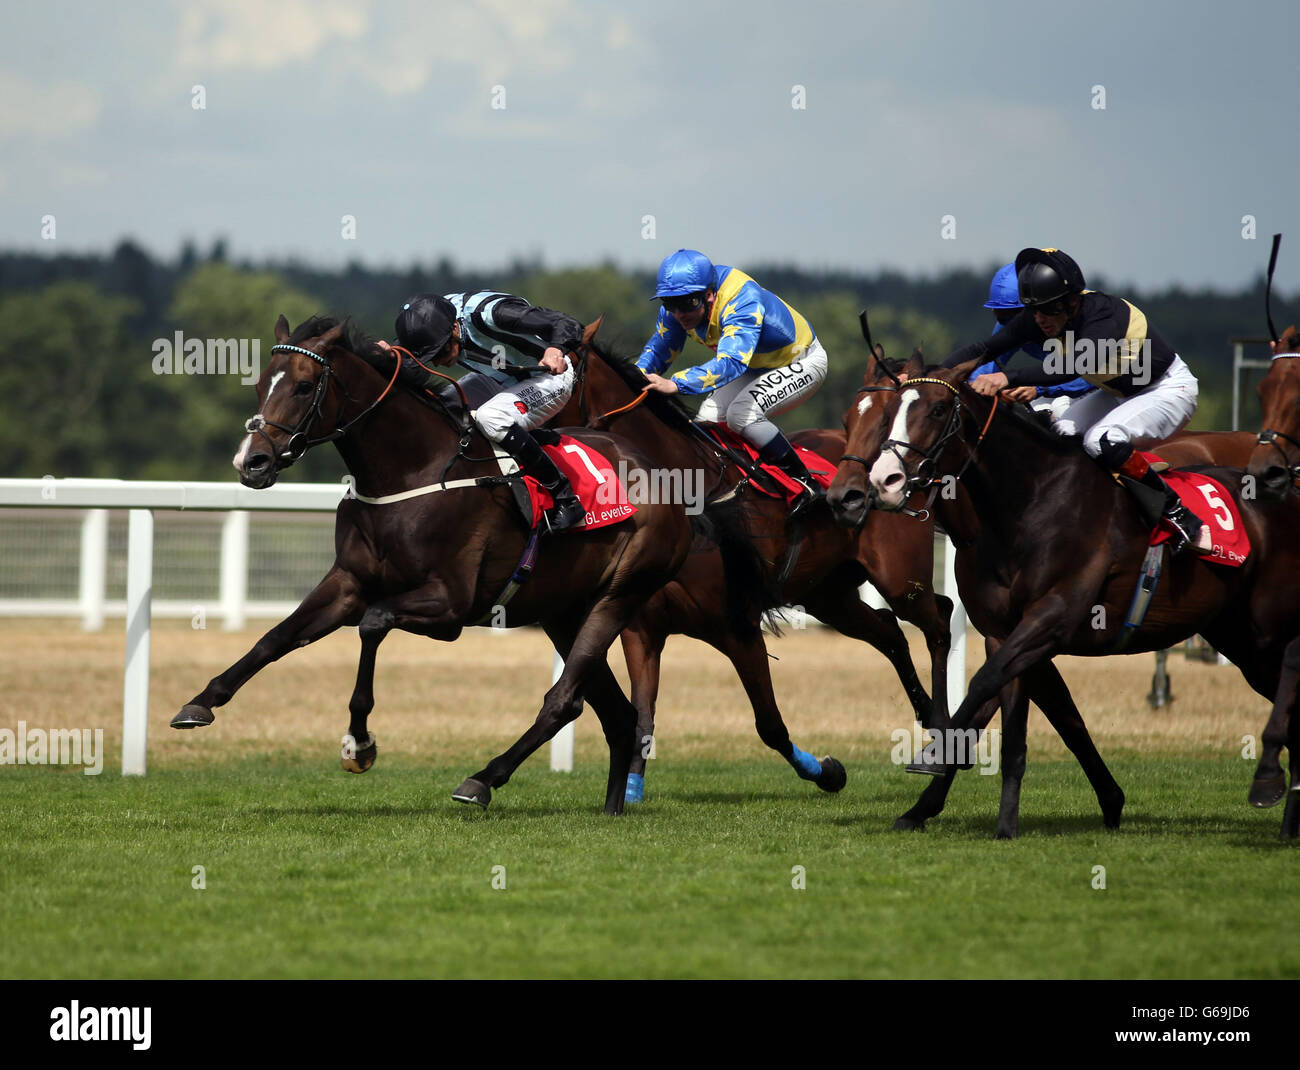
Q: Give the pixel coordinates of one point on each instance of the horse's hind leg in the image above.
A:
(749, 658)
(1048, 691)
(334, 601)
(359, 747)
(935, 796)
(841, 607)
(583, 648)
(642, 649)
(1015, 721)
(1287, 706)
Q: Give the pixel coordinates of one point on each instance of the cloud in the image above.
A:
(45, 110)
(253, 35)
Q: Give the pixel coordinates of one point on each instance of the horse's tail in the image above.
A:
(749, 595)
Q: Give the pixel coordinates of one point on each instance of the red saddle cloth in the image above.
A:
(820, 468)
(593, 480)
(1209, 500)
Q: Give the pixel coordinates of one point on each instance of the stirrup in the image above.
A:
(1189, 531)
(565, 514)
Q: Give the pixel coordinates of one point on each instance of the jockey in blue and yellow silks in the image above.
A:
(768, 357)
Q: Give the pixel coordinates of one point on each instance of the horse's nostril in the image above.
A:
(257, 461)
(894, 480)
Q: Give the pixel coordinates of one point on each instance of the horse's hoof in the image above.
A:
(920, 765)
(1006, 834)
(192, 716)
(1264, 791)
(473, 791)
(833, 776)
(909, 824)
(635, 788)
(358, 759)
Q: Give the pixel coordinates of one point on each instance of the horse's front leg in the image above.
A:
(359, 745)
(335, 601)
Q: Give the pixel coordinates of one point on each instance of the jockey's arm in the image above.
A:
(554, 329)
(664, 345)
(1019, 332)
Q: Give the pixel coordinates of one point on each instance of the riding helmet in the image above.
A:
(1003, 290)
(424, 324)
(1047, 275)
(684, 272)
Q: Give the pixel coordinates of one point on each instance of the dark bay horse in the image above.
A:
(441, 557)
(1057, 542)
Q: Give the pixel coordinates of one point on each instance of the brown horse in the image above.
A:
(1055, 561)
(823, 583)
(1274, 461)
(441, 556)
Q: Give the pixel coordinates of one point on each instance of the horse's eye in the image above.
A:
(939, 410)
(303, 388)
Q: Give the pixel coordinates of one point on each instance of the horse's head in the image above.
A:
(295, 401)
(922, 419)
(850, 492)
(1275, 461)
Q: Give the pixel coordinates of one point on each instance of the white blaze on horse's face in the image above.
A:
(864, 404)
(888, 479)
(241, 458)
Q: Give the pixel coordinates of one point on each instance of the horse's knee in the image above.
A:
(376, 623)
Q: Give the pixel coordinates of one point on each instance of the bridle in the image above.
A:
(299, 441)
(924, 476)
(1269, 437)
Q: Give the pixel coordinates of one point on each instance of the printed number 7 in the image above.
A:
(570, 447)
(1216, 503)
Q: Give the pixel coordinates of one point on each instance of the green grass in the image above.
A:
(314, 873)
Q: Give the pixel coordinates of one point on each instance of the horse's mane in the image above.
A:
(668, 408)
(353, 337)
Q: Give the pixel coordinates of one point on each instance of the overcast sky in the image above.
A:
(683, 110)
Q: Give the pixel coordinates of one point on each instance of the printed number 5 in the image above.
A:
(582, 454)
(1221, 511)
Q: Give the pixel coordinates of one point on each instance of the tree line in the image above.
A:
(91, 387)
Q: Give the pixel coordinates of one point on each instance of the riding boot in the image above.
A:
(1189, 530)
(780, 453)
(568, 511)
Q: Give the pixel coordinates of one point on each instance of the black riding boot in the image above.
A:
(1186, 524)
(779, 452)
(534, 461)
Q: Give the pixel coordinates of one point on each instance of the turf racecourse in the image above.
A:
(311, 872)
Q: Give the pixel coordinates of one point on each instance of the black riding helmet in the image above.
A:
(1046, 275)
(424, 324)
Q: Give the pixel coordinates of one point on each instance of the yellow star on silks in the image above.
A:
(744, 355)
(729, 309)
(758, 317)
(729, 330)
(661, 329)
(708, 379)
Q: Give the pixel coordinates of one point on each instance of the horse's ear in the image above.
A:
(589, 331)
(915, 365)
(961, 373)
(1290, 340)
(282, 331)
(332, 335)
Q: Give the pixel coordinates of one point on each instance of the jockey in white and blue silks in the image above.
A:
(1004, 302)
(768, 359)
(500, 339)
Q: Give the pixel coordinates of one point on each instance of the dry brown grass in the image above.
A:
(477, 695)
